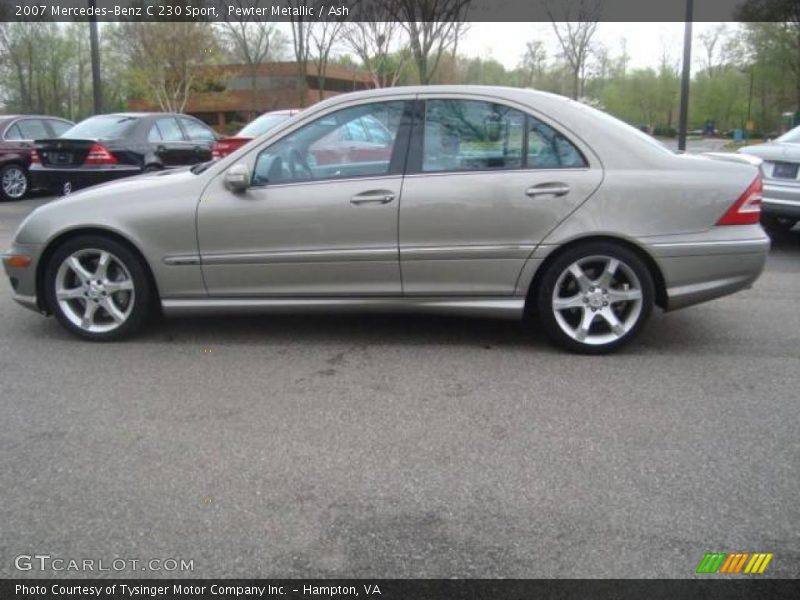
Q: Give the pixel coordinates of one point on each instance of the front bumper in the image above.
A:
(56, 179)
(781, 199)
(23, 279)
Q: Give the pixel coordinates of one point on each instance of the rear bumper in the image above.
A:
(54, 179)
(781, 200)
(698, 270)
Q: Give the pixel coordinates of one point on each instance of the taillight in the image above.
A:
(747, 208)
(221, 149)
(35, 160)
(98, 155)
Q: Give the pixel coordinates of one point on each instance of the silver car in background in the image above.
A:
(781, 172)
(479, 201)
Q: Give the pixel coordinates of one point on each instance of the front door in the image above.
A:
(486, 183)
(311, 224)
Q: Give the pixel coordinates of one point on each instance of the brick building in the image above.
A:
(226, 96)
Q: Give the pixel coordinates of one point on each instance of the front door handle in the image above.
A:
(372, 197)
(548, 189)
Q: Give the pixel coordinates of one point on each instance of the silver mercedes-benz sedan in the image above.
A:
(463, 200)
(781, 171)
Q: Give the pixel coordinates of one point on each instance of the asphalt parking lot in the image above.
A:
(391, 446)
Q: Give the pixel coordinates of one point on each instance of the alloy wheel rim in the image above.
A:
(597, 300)
(94, 290)
(15, 184)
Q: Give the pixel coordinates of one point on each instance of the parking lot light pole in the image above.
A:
(97, 90)
(685, 76)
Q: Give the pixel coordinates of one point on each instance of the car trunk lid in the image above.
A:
(62, 152)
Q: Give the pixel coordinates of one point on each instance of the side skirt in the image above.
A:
(506, 307)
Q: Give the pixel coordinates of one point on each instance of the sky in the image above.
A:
(505, 42)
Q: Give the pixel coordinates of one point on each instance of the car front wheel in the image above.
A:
(595, 298)
(14, 182)
(97, 288)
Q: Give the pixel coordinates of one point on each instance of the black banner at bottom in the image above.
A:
(397, 589)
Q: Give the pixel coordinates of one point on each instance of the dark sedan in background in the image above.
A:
(108, 147)
(17, 133)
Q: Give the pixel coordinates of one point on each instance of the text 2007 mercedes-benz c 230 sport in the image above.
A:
(476, 201)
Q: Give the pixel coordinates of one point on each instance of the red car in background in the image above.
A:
(252, 130)
(17, 133)
(360, 140)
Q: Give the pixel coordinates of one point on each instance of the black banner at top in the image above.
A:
(400, 10)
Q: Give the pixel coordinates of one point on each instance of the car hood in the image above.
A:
(774, 151)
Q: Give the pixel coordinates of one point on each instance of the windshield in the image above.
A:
(262, 124)
(792, 136)
(105, 127)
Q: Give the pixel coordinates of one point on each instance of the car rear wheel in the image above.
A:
(97, 288)
(595, 298)
(14, 182)
(779, 224)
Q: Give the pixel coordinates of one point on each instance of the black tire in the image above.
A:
(142, 297)
(4, 171)
(543, 298)
(777, 224)
(152, 168)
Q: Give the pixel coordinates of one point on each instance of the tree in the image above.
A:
(433, 27)
(373, 42)
(323, 37)
(301, 42)
(534, 62)
(164, 58)
(574, 32)
(250, 41)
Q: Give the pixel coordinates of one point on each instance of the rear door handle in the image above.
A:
(548, 189)
(372, 197)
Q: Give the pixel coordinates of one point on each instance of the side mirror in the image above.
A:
(237, 178)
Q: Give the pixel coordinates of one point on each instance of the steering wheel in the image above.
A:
(298, 162)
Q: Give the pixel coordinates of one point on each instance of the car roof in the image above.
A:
(140, 115)
(9, 117)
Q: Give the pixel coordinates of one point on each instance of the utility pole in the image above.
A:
(97, 89)
(685, 76)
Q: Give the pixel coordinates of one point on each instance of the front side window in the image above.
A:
(324, 149)
(471, 135)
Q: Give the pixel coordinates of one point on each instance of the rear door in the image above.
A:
(486, 182)
(168, 143)
(200, 136)
(16, 142)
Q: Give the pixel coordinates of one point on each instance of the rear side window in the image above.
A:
(32, 129)
(59, 127)
(197, 132)
(471, 135)
(548, 149)
(13, 133)
(169, 129)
